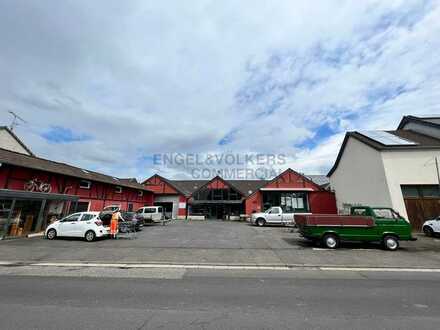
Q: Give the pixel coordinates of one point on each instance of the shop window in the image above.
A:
(5, 209)
(288, 201)
(24, 217)
(217, 194)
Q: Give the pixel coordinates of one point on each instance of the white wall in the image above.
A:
(7, 141)
(408, 167)
(360, 177)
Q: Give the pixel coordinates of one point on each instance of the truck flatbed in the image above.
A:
(334, 220)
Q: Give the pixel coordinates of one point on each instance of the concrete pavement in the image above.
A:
(220, 243)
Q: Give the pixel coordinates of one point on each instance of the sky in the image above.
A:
(109, 85)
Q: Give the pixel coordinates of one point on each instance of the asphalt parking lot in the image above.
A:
(220, 242)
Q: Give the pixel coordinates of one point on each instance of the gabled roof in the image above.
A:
(169, 182)
(217, 177)
(5, 128)
(36, 163)
(423, 142)
(266, 183)
(320, 179)
(425, 120)
(245, 187)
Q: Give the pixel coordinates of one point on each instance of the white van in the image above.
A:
(151, 214)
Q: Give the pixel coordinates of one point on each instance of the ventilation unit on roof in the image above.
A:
(387, 139)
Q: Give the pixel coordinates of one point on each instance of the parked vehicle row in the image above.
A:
(92, 225)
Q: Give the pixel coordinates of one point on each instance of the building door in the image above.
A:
(422, 203)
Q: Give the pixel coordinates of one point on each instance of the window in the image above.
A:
(420, 191)
(85, 184)
(71, 218)
(410, 191)
(87, 217)
(359, 212)
(140, 193)
(275, 211)
(385, 214)
(130, 207)
(430, 191)
(118, 189)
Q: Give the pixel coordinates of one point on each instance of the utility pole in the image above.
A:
(15, 120)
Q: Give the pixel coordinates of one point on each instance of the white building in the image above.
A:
(10, 141)
(392, 169)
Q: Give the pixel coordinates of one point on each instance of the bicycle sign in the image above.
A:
(36, 185)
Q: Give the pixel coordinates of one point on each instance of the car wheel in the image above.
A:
(391, 243)
(428, 231)
(90, 236)
(51, 234)
(260, 222)
(330, 241)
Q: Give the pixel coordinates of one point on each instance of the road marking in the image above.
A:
(179, 266)
(372, 269)
(296, 267)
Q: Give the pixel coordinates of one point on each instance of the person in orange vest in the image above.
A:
(114, 224)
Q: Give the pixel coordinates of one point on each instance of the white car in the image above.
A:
(274, 215)
(81, 224)
(151, 214)
(432, 227)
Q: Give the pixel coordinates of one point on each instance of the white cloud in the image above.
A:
(170, 76)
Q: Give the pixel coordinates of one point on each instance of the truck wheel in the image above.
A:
(428, 231)
(260, 222)
(391, 243)
(331, 241)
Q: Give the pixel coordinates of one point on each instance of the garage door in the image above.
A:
(422, 203)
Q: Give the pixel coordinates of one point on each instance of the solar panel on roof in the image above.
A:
(387, 138)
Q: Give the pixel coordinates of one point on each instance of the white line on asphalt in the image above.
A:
(221, 267)
(181, 266)
(372, 269)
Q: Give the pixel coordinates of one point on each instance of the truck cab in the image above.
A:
(274, 215)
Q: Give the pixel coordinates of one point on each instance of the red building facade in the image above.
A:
(34, 191)
(95, 194)
(219, 198)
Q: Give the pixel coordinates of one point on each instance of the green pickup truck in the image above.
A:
(364, 224)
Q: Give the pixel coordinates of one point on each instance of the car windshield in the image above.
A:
(385, 213)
